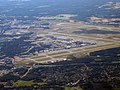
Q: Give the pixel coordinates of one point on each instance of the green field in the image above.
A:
(23, 83)
(53, 54)
(42, 59)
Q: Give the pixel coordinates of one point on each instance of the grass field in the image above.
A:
(23, 83)
(73, 88)
(23, 62)
(42, 59)
(61, 56)
(35, 57)
(54, 54)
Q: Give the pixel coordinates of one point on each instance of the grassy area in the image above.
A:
(101, 47)
(35, 57)
(53, 54)
(77, 50)
(62, 55)
(23, 62)
(73, 88)
(42, 59)
(79, 54)
(116, 88)
(68, 88)
(23, 83)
